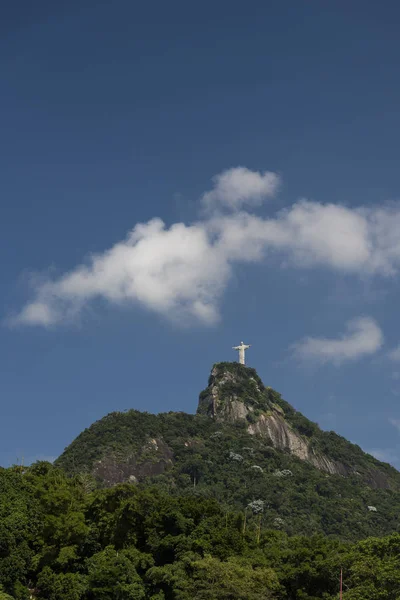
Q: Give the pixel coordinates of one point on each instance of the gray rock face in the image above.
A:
(135, 446)
(239, 396)
(153, 459)
(284, 437)
(222, 399)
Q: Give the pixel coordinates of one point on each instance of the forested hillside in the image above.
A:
(246, 500)
(62, 540)
(217, 457)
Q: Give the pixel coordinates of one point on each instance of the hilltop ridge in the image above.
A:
(236, 393)
(245, 444)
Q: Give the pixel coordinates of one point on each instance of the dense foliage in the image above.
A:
(205, 511)
(178, 452)
(61, 540)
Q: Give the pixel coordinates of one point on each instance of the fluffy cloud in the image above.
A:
(363, 337)
(307, 234)
(169, 271)
(183, 270)
(239, 186)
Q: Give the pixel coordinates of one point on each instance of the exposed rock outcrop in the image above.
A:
(131, 446)
(236, 393)
(153, 459)
(232, 393)
(283, 437)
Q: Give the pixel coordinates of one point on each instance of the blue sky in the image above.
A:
(178, 177)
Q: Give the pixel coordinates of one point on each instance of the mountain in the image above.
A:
(246, 500)
(236, 393)
(245, 447)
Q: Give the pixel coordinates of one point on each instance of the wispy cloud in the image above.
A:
(363, 337)
(182, 270)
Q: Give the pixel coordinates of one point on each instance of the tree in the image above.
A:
(112, 576)
(61, 586)
(209, 578)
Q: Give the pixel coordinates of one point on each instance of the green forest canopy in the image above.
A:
(62, 540)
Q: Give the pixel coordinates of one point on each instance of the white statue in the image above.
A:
(241, 349)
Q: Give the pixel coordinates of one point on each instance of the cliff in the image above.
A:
(236, 393)
(245, 444)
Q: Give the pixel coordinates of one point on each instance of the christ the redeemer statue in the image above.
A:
(241, 349)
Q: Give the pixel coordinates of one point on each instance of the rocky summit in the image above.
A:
(244, 500)
(235, 393)
(244, 444)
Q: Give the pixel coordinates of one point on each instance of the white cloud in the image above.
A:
(182, 271)
(324, 234)
(173, 271)
(395, 354)
(39, 313)
(239, 186)
(363, 337)
(307, 234)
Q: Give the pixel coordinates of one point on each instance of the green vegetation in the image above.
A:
(237, 381)
(336, 447)
(138, 542)
(205, 462)
(205, 511)
(179, 453)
